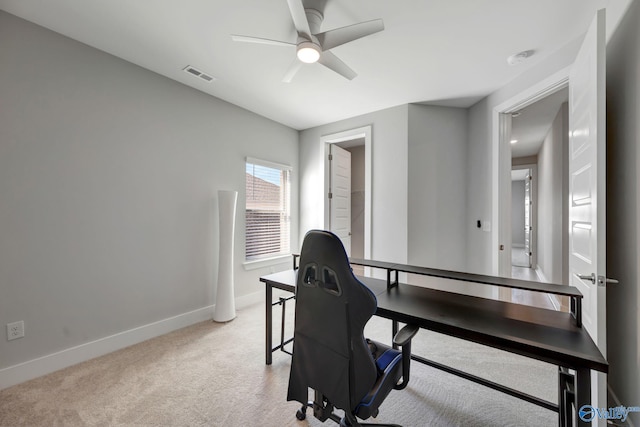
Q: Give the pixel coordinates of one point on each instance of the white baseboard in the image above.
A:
(249, 300)
(613, 397)
(44, 365)
(555, 301)
(540, 274)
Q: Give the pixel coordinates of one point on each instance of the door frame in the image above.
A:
(501, 175)
(326, 140)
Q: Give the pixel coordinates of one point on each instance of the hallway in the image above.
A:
(519, 270)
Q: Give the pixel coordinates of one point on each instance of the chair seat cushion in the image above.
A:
(389, 363)
(389, 357)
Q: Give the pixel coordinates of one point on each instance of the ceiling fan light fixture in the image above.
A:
(308, 52)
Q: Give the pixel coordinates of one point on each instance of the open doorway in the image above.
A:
(539, 147)
(347, 194)
(536, 238)
(355, 195)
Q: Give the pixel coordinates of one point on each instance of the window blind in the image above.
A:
(268, 217)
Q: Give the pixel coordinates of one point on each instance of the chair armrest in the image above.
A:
(403, 339)
(405, 335)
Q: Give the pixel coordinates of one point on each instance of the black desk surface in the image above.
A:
(538, 333)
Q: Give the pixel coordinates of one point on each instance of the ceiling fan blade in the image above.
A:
(291, 72)
(334, 63)
(299, 18)
(332, 38)
(249, 39)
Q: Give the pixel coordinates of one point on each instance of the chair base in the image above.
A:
(323, 410)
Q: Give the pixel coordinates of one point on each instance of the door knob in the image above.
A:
(602, 281)
(591, 277)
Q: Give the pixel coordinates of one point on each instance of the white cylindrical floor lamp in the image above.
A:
(225, 309)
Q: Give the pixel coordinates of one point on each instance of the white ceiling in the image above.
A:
(451, 52)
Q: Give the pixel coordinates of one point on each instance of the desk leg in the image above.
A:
(576, 310)
(566, 397)
(583, 393)
(269, 321)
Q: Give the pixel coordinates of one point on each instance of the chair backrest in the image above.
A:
(332, 308)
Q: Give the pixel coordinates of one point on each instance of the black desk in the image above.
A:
(541, 334)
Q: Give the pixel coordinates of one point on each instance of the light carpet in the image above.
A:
(212, 374)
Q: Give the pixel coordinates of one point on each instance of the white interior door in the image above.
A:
(340, 191)
(587, 184)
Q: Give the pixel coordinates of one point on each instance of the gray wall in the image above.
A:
(108, 181)
(437, 187)
(389, 176)
(517, 213)
(479, 188)
(623, 202)
(418, 150)
(552, 235)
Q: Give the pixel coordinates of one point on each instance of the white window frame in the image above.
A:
(280, 257)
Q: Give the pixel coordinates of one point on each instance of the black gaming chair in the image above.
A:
(330, 354)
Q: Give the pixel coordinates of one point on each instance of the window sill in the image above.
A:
(266, 262)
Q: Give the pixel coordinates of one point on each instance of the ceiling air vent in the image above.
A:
(192, 70)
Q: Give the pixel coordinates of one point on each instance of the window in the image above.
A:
(268, 210)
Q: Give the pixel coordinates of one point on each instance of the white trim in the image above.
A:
(362, 132)
(553, 84)
(541, 274)
(549, 85)
(44, 365)
(502, 224)
(617, 403)
(554, 301)
(248, 300)
(267, 163)
(287, 170)
(266, 262)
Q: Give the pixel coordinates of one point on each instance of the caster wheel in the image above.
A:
(300, 414)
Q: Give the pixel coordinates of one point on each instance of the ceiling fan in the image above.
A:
(313, 45)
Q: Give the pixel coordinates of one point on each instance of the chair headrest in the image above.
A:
(324, 263)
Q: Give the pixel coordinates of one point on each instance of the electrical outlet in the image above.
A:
(15, 330)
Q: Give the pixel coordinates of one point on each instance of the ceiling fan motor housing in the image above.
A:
(314, 18)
